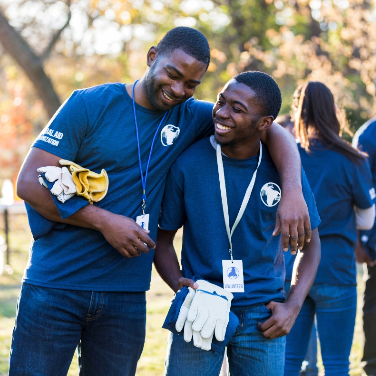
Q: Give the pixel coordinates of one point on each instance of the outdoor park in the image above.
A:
(49, 48)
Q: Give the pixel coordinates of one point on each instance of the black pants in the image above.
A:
(369, 323)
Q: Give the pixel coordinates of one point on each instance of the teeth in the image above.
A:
(167, 97)
(222, 127)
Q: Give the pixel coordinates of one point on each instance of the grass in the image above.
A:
(158, 298)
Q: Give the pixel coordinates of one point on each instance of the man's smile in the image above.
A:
(169, 98)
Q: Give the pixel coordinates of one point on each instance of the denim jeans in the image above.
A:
(369, 322)
(108, 327)
(248, 352)
(310, 359)
(335, 309)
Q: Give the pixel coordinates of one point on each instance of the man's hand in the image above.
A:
(281, 321)
(362, 255)
(292, 219)
(125, 235)
(187, 282)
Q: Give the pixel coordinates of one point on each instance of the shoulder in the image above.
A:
(198, 109)
(366, 135)
(101, 91)
(196, 155)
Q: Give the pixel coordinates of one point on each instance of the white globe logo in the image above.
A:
(169, 134)
(270, 194)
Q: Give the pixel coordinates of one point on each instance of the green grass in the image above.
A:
(158, 298)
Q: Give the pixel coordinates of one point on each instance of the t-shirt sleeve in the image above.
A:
(65, 132)
(310, 201)
(62, 137)
(173, 214)
(362, 186)
(201, 112)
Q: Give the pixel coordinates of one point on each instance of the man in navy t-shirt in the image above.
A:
(194, 198)
(365, 140)
(83, 283)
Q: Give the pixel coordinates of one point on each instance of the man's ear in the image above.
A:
(265, 122)
(152, 56)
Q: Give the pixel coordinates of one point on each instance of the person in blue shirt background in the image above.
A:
(84, 283)
(244, 109)
(341, 181)
(365, 140)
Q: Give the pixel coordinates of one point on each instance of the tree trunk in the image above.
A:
(21, 52)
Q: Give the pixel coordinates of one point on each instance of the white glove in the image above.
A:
(183, 313)
(64, 187)
(209, 311)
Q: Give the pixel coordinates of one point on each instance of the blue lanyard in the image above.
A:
(143, 178)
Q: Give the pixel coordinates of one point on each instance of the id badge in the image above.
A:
(143, 221)
(233, 278)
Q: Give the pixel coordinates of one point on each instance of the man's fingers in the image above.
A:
(285, 236)
(301, 235)
(262, 327)
(145, 238)
(307, 227)
(140, 246)
(277, 226)
(294, 237)
(187, 282)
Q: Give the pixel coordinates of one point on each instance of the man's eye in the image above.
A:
(171, 76)
(236, 109)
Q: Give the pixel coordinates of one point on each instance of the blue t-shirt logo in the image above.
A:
(169, 134)
(233, 273)
(270, 194)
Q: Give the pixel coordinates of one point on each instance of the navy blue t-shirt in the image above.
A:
(95, 128)
(365, 140)
(338, 185)
(192, 198)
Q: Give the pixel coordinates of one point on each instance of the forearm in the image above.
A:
(304, 272)
(165, 259)
(285, 155)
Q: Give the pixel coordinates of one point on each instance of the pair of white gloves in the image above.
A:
(64, 187)
(204, 313)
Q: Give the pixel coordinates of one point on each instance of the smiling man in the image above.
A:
(84, 283)
(219, 191)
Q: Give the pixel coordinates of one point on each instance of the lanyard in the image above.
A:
(143, 178)
(246, 198)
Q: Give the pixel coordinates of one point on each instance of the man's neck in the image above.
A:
(140, 93)
(243, 150)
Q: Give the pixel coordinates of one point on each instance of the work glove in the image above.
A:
(209, 311)
(64, 187)
(181, 322)
(89, 184)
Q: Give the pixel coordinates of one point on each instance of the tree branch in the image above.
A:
(46, 53)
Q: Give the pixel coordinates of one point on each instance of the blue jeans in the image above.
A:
(108, 327)
(310, 359)
(335, 309)
(248, 352)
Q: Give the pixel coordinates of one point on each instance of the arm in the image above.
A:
(284, 314)
(121, 232)
(167, 264)
(292, 214)
(365, 218)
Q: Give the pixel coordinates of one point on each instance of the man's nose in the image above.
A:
(222, 112)
(178, 90)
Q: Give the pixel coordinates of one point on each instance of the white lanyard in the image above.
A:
(246, 198)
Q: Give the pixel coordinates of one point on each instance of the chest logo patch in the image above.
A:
(169, 134)
(270, 194)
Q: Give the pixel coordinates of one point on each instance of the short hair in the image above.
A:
(266, 89)
(191, 41)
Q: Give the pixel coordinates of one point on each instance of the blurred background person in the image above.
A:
(365, 140)
(286, 122)
(309, 366)
(341, 181)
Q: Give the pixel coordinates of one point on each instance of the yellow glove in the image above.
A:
(89, 184)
